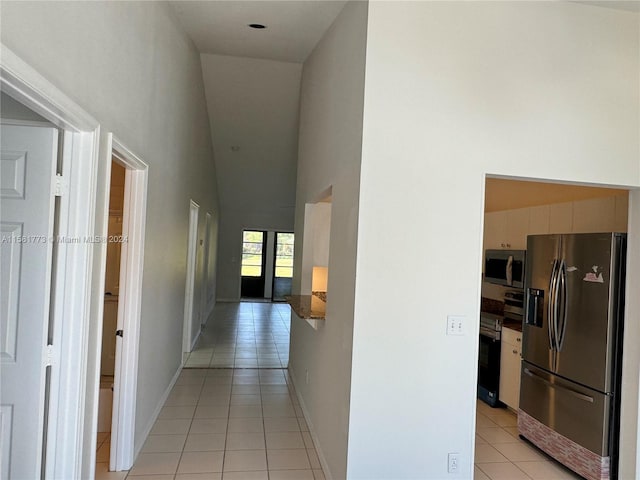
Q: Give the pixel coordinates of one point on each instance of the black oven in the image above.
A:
(489, 358)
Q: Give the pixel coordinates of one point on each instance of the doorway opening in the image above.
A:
(254, 247)
(191, 329)
(267, 265)
(110, 315)
(255, 332)
(122, 304)
(514, 210)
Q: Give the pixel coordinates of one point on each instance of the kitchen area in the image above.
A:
(550, 331)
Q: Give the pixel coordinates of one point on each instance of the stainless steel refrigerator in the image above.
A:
(572, 349)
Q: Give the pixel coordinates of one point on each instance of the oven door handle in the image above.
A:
(489, 333)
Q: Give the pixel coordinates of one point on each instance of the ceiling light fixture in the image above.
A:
(258, 26)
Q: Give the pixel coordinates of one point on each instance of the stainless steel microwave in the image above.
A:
(505, 267)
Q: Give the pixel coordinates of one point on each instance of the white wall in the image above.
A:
(253, 105)
(456, 90)
(329, 155)
(131, 67)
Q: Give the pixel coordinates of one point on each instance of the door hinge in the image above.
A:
(119, 333)
(61, 186)
(49, 356)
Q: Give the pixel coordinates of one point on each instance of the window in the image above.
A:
(252, 245)
(284, 255)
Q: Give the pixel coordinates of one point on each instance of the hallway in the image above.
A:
(233, 412)
(244, 335)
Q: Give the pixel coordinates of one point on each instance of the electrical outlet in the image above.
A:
(456, 325)
(454, 462)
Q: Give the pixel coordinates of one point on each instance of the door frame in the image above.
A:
(189, 291)
(275, 254)
(204, 295)
(72, 300)
(265, 235)
(125, 383)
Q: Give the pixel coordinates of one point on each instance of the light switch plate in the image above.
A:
(456, 325)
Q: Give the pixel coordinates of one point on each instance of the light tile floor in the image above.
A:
(244, 335)
(233, 414)
(227, 424)
(502, 455)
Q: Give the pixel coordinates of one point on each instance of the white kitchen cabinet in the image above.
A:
(506, 229)
(510, 357)
(594, 215)
(561, 218)
(517, 228)
(495, 230)
(539, 220)
(622, 213)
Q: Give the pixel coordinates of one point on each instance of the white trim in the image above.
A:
(129, 306)
(189, 290)
(204, 295)
(65, 446)
(195, 338)
(154, 416)
(269, 264)
(26, 85)
(312, 430)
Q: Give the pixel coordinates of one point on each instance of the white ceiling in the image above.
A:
(629, 5)
(293, 27)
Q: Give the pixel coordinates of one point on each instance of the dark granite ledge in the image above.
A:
(321, 295)
(307, 306)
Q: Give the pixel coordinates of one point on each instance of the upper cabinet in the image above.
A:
(594, 215)
(495, 230)
(621, 213)
(508, 229)
(539, 219)
(517, 228)
(561, 218)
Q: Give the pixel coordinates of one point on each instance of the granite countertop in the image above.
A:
(496, 307)
(512, 324)
(307, 306)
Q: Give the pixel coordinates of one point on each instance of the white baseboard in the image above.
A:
(195, 340)
(208, 312)
(154, 417)
(312, 430)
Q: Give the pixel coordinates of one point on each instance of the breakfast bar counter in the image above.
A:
(309, 307)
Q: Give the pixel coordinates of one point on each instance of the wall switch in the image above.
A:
(454, 462)
(456, 325)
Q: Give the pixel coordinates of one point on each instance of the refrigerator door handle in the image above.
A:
(571, 391)
(562, 307)
(550, 306)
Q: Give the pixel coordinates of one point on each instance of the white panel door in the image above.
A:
(27, 162)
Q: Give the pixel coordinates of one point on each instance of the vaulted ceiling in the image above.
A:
(293, 27)
(252, 83)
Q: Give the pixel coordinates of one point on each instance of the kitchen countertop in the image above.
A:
(512, 324)
(307, 306)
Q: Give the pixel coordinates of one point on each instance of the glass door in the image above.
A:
(282, 266)
(253, 263)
